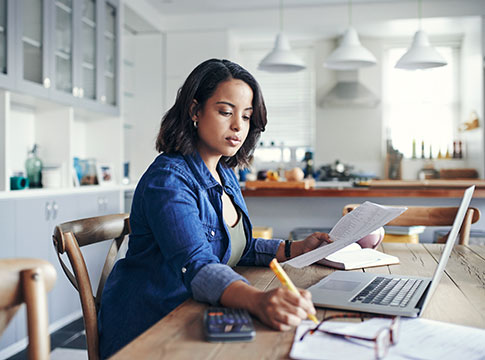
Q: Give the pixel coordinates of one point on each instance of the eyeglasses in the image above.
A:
(384, 338)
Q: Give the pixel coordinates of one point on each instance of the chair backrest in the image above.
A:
(27, 281)
(68, 238)
(432, 216)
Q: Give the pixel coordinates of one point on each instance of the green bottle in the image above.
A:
(33, 167)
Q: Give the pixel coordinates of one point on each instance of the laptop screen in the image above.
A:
(460, 215)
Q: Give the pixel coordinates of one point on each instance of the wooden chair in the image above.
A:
(68, 238)
(27, 281)
(432, 216)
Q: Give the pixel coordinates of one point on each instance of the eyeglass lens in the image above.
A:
(383, 341)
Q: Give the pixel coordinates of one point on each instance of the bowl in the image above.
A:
(373, 239)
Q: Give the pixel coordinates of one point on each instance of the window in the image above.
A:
(290, 102)
(421, 105)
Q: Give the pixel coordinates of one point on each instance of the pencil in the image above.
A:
(286, 281)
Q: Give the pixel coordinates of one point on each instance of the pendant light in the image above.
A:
(281, 59)
(350, 54)
(421, 55)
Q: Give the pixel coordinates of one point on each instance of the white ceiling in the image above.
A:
(305, 19)
(172, 7)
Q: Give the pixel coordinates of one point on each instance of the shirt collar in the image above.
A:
(202, 173)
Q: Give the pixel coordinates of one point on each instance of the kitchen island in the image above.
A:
(286, 209)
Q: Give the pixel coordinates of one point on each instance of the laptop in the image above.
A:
(386, 294)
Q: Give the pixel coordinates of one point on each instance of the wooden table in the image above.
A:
(460, 299)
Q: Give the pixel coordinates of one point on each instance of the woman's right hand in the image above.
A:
(282, 309)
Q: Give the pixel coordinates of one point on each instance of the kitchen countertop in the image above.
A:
(380, 188)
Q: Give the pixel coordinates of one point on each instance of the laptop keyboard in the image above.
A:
(388, 291)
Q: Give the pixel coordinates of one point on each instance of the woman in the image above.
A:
(189, 222)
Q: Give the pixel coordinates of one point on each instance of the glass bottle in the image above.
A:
(422, 150)
(33, 167)
(414, 149)
(308, 164)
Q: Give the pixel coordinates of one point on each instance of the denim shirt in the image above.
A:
(178, 248)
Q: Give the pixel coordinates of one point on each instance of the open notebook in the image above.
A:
(354, 256)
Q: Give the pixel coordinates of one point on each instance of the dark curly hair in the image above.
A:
(177, 133)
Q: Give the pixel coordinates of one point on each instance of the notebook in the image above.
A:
(353, 256)
(386, 294)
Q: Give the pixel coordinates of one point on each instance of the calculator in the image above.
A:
(226, 324)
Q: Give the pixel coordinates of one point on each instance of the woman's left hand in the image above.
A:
(313, 241)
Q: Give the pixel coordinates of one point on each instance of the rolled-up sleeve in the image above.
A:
(260, 252)
(205, 289)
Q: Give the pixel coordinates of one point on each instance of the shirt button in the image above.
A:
(184, 270)
(213, 233)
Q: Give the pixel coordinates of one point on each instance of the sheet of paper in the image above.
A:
(321, 346)
(419, 339)
(352, 227)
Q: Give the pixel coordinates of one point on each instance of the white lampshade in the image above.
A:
(350, 54)
(281, 58)
(421, 55)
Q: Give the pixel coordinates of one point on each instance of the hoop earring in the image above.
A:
(195, 124)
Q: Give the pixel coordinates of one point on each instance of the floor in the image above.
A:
(71, 336)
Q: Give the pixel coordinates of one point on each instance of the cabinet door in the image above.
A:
(64, 301)
(35, 221)
(109, 38)
(62, 36)
(88, 51)
(32, 43)
(6, 43)
(7, 250)
(95, 254)
(32, 229)
(98, 204)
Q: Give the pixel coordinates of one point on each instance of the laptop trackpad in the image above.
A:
(339, 285)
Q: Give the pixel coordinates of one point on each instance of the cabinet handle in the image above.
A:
(55, 210)
(47, 210)
(75, 91)
(47, 82)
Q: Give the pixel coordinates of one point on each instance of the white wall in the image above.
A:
(351, 135)
(185, 50)
(143, 108)
(472, 94)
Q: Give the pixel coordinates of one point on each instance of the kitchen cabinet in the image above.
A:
(32, 46)
(7, 250)
(68, 51)
(6, 43)
(62, 91)
(35, 221)
(27, 225)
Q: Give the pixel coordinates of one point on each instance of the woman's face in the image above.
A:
(223, 122)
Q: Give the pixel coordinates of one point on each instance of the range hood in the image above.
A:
(349, 92)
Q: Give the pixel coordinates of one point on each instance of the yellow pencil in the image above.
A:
(286, 281)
